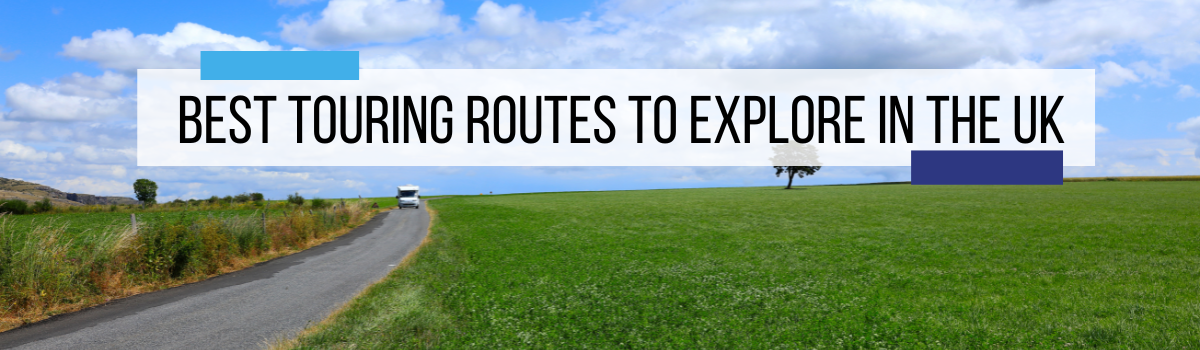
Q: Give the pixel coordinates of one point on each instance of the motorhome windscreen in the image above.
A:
(408, 194)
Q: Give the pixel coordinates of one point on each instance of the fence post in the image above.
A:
(133, 222)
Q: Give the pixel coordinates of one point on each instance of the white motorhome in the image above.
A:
(409, 196)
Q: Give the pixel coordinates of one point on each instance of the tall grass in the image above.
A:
(41, 267)
(44, 270)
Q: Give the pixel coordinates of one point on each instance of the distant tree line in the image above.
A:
(216, 200)
(146, 192)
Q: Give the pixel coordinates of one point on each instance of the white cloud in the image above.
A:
(17, 152)
(368, 60)
(503, 21)
(1190, 125)
(1146, 157)
(1073, 32)
(358, 185)
(188, 181)
(1100, 129)
(1112, 75)
(89, 185)
(72, 98)
(1159, 75)
(990, 63)
(1187, 91)
(7, 125)
(1164, 157)
(346, 22)
(92, 154)
(817, 34)
(180, 48)
(106, 85)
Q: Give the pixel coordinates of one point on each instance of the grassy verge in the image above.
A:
(1096, 264)
(50, 264)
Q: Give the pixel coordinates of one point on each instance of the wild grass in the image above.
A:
(44, 266)
(52, 264)
(1095, 264)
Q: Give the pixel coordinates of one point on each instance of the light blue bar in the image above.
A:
(279, 65)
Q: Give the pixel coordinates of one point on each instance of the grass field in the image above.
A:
(83, 223)
(1094, 264)
(385, 202)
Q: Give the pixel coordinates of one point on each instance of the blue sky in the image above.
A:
(67, 70)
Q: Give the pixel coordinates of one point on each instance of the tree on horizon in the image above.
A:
(145, 191)
(794, 171)
(789, 157)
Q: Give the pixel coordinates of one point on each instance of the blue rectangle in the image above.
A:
(279, 65)
(987, 167)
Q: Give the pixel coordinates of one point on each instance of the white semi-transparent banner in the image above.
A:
(591, 117)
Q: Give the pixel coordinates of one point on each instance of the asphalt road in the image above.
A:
(246, 309)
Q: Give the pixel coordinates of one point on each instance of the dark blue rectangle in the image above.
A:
(279, 65)
(987, 167)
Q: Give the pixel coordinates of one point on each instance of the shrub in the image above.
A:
(164, 249)
(213, 247)
(257, 197)
(214, 200)
(296, 199)
(242, 198)
(318, 203)
(43, 205)
(14, 206)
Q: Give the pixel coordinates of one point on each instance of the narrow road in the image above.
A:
(240, 310)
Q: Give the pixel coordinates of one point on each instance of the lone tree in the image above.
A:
(795, 171)
(145, 190)
(795, 159)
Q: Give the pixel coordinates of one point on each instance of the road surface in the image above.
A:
(246, 309)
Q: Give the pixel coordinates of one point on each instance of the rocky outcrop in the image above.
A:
(34, 190)
(99, 200)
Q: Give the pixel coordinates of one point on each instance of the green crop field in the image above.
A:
(1095, 264)
(385, 202)
(80, 228)
(82, 223)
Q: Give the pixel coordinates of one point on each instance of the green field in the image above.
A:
(385, 202)
(78, 224)
(1097, 264)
